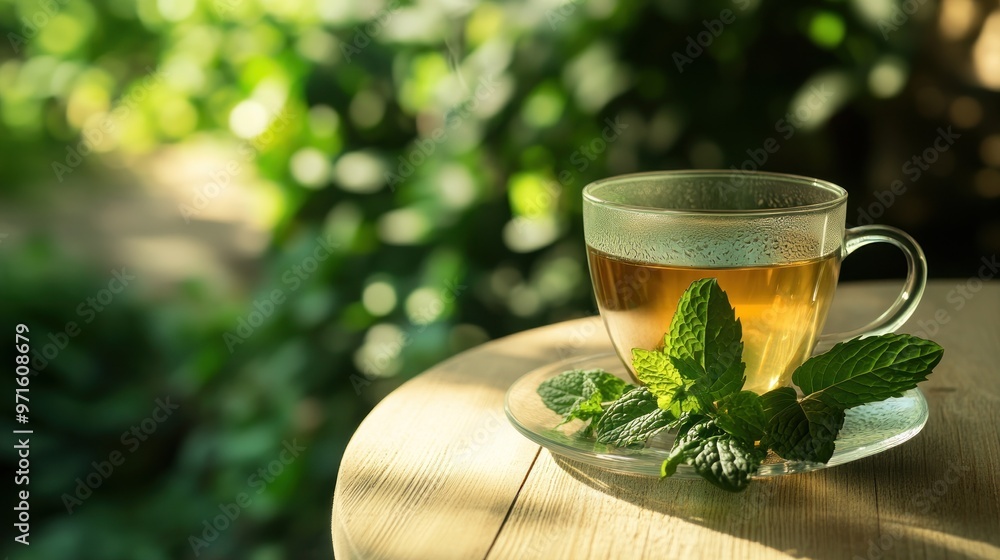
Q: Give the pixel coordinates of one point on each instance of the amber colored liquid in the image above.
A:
(782, 308)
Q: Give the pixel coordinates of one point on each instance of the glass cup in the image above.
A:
(774, 242)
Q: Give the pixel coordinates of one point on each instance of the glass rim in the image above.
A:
(840, 194)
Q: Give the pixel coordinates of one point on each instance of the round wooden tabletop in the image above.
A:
(437, 472)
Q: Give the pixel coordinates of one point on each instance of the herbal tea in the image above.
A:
(782, 308)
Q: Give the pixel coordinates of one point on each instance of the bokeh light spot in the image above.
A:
(405, 226)
(175, 10)
(248, 119)
(544, 107)
(957, 18)
(887, 77)
(424, 306)
(367, 108)
(986, 52)
(360, 172)
(485, 22)
(379, 298)
(532, 195)
(456, 187)
(310, 167)
(323, 121)
(63, 34)
(826, 29)
(523, 235)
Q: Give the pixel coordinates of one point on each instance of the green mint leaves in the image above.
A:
(656, 370)
(720, 458)
(580, 394)
(742, 414)
(694, 386)
(705, 340)
(850, 374)
(869, 370)
(632, 419)
(800, 430)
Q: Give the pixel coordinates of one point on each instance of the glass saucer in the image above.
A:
(868, 429)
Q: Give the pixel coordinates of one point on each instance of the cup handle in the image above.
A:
(913, 288)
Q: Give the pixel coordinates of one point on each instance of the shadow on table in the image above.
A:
(795, 514)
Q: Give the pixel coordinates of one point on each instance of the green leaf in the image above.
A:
(579, 394)
(720, 458)
(678, 455)
(867, 370)
(632, 419)
(704, 342)
(742, 415)
(800, 430)
(656, 371)
(690, 430)
(589, 405)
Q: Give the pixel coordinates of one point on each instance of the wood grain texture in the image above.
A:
(436, 472)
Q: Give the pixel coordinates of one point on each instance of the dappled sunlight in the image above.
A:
(986, 52)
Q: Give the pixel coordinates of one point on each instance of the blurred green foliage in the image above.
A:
(416, 169)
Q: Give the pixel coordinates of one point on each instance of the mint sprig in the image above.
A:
(693, 385)
(581, 394)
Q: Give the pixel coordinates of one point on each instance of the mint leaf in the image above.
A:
(800, 430)
(690, 431)
(742, 415)
(867, 370)
(656, 371)
(704, 340)
(579, 394)
(720, 458)
(589, 404)
(726, 461)
(632, 419)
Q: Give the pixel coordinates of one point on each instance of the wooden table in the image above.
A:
(437, 472)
